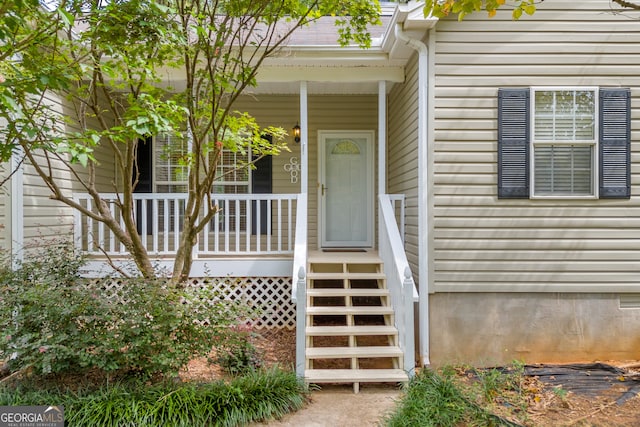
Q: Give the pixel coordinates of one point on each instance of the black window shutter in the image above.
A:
(143, 168)
(615, 143)
(261, 182)
(513, 143)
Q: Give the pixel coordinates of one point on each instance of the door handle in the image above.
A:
(324, 188)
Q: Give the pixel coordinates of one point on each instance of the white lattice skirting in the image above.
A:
(270, 295)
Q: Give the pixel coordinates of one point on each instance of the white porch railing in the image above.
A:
(246, 224)
(399, 279)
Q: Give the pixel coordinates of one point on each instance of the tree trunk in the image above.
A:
(184, 255)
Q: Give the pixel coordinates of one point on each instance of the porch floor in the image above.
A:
(339, 255)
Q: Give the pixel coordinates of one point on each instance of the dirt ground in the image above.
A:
(549, 404)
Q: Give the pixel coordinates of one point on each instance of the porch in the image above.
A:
(269, 257)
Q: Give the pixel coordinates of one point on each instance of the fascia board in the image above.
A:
(279, 74)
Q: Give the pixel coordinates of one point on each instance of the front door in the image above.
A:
(346, 189)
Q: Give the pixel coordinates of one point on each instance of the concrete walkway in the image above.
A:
(338, 406)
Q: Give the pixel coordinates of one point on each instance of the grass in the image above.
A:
(259, 395)
(453, 397)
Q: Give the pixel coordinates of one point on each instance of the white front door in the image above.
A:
(345, 192)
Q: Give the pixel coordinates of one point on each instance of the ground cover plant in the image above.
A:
(440, 399)
(258, 395)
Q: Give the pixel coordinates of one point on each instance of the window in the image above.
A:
(232, 179)
(564, 142)
(231, 176)
(171, 170)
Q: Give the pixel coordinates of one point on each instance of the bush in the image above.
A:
(53, 321)
(236, 353)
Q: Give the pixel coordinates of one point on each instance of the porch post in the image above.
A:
(304, 139)
(382, 137)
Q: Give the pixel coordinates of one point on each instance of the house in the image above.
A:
(463, 191)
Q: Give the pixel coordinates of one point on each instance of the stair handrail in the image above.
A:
(399, 280)
(299, 281)
(299, 246)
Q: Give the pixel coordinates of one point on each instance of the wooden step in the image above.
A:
(348, 352)
(350, 292)
(346, 275)
(338, 331)
(355, 375)
(353, 310)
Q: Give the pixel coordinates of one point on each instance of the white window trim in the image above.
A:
(595, 143)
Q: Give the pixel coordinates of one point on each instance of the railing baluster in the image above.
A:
(176, 224)
(279, 225)
(238, 227)
(258, 228)
(268, 215)
(77, 225)
(226, 226)
(90, 247)
(154, 224)
(205, 237)
(249, 219)
(112, 240)
(101, 235)
(216, 228)
(165, 224)
(144, 227)
(290, 224)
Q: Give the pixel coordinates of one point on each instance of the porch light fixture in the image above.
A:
(296, 133)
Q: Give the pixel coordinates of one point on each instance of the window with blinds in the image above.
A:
(171, 169)
(564, 141)
(232, 174)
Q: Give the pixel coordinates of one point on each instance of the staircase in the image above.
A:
(350, 332)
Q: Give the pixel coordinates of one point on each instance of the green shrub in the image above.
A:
(53, 321)
(236, 353)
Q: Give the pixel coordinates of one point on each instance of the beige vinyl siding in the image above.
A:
(326, 112)
(485, 244)
(402, 154)
(46, 219)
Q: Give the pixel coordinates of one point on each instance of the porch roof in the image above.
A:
(314, 55)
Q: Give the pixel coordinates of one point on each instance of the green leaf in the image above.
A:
(83, 159)
(517, 13)
(66, 17)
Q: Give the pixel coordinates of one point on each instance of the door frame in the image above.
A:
(369, 136)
